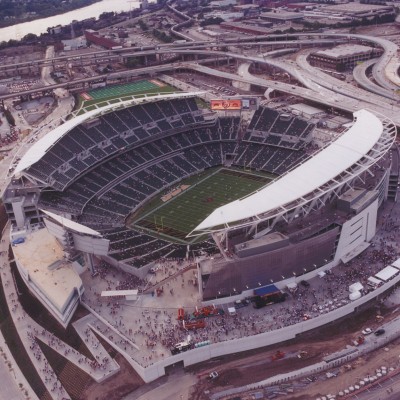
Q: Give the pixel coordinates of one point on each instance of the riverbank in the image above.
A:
(39, 26)
(8, 18)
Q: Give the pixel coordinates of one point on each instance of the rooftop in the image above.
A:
(353, 8)
(42, 257)
(344, 50)
(306, 109)
(313, 174)
(283, 15)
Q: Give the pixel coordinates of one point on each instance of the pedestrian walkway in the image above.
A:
(90, 323)
(14, 386)
(27, 327)
(100, 368)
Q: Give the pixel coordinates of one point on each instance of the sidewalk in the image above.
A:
(30, 332)
(26, 326)
(14, 386)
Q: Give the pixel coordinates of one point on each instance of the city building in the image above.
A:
(343, 57)
(281, 17)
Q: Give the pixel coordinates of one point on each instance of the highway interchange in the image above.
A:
(316, 85)
(380, 95)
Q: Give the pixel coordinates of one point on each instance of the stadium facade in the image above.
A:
(85, 178)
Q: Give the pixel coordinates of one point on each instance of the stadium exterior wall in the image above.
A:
(253, 342)
(63, 317)
(361, 228)
(138, 272)
(365, 222)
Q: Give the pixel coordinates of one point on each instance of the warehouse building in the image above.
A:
(343, 57)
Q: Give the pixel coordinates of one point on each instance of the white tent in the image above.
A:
(387, 273)
(354, 295)
(356, 287)
(396, 263)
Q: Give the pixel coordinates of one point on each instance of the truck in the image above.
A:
(262, 301)
(193, 324)
(182, 346)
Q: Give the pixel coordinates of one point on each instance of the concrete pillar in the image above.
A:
(89, 262)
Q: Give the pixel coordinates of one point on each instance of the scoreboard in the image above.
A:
(245, 103)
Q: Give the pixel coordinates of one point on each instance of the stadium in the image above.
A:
(248, 195)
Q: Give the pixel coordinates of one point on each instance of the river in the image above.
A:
(39, 26)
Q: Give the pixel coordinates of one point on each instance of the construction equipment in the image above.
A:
(278, 355)
(181, 314)
(193, 324)
(359, 340)
(208, 311)
(302, 354)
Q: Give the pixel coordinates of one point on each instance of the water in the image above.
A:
(39, 26)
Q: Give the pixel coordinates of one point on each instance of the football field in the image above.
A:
(178, 216)
(123, 90)
(115, 93)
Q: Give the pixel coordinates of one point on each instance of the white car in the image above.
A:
(366, 331)
(213, 375)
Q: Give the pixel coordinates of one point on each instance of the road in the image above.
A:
(360, 76)
(176, 386)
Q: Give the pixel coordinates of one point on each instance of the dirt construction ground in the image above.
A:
(114, 388)
(257, 365)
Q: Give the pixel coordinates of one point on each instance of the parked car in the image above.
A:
(241, 303)
(304, 283)
(379, 332)
(366, 331)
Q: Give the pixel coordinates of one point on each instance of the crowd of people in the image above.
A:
(154, 328)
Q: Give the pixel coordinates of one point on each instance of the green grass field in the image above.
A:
(121, 90)
(181, 214)
(88, 101)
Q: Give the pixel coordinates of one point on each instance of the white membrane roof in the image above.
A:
(307, 177)
(74, 226)
(40, 148)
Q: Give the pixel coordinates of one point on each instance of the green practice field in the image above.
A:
(178, 216)
(122, 90)
(116, 93)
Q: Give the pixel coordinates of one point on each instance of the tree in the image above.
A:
(106, 15)
(212, 21)
(30, 37)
